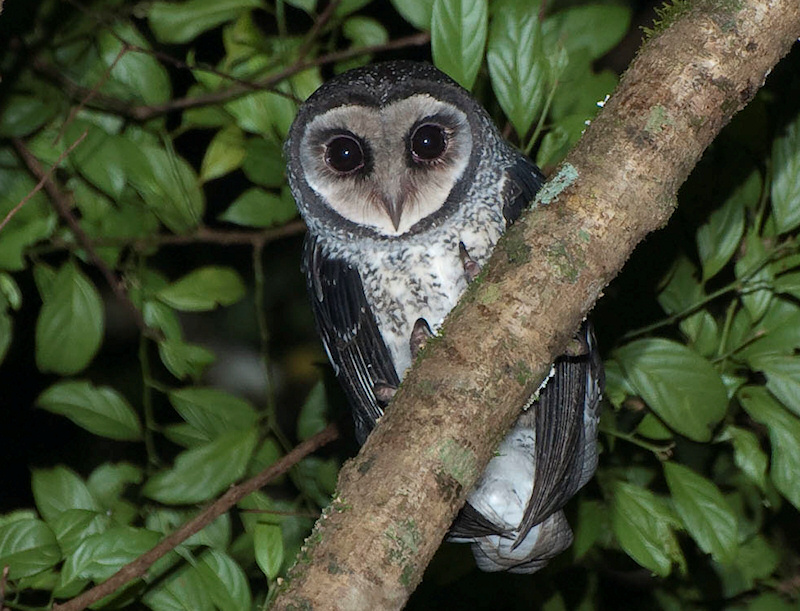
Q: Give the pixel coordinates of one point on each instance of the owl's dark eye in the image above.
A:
(428, 142)
(343, 154)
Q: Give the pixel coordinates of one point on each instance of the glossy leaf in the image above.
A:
(6, 334)
(73, 526)
(596, 28)
(224, 154)
(58, 489)
(169, 187)
(180, 590)
(719, 237)
(70, 324)
(517, 64)
(643, 527)
(174, 22)
(204, 289)
(263, 163)
(27, 547)
(213, 411)
(786, 178)
(314, 413)
(258, 208)
(204, 471)
(416, 12)
(185, 360)
(268, 542)
(703, 510)
(680, 386)
(225, 581)
(783, 378)
(784, 435)
(103, 554)
(458, 38)
(747, 454)
(100, 410)
(750, 269)
(364, 32)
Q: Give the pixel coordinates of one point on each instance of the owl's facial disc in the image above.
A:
(387, 167)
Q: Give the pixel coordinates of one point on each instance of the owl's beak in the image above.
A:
(393, 207)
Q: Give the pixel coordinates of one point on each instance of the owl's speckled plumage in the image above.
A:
(386, 247)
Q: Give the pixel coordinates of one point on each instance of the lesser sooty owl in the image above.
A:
(406, 185)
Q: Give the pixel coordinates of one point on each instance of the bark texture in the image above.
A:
(397, 498)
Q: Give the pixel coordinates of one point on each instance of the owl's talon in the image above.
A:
(384, 392)
(471, 267)
(419, 336)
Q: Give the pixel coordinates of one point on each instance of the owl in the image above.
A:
(406, 185)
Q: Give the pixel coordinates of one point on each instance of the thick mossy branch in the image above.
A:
(619, 184)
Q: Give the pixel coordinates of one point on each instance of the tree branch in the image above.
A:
(138, 567)
(398, 497)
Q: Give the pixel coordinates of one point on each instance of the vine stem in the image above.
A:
(137, 568)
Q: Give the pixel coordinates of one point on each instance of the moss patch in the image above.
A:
(567, 175)
(402, 544)
(568, 265)
(659, 117)
(517, 251)
(489, 293)
(456, 461)
(522, 373)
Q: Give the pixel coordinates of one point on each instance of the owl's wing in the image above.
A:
(566, 411)
(349, 333)
(525, 180)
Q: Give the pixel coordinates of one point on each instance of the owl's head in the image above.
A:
(384, 147)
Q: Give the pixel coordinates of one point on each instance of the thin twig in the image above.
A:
(62, 205)
(93, 92)
(235, 494)
(319, 23)
(144, 113)
(42, 180)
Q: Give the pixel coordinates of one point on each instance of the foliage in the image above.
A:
(156, 130)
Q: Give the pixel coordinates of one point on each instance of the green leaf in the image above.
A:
(102, 158)
(783, 377)
(224, 154)
(751, 271)
(183, 359)
(136, 75)
(24, 113)
(169, 187)
(594, 28)
(27, 547)
(643, 527)
(265, 456)
(306, 5)
(703, 510)
(204, 289)
(179, 590)
(346, 7)
(314, 413)
(73, 526)
(517, 64)
(70, 324)
(364, 32)
(458, 38)
(591, 523)
(268, 540)
(652, 428)
(265, 113)
(103, 554)
(225, 581)
(100, 410)
(680, 386)
(108, 481)
(784, 435)
(212, 411)
(719, 237)
(747, 454)
(204, 471)
(786, 178)
(258, 208)
(174, 22)
(263, 163)
(416, 12)
(58, 489)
